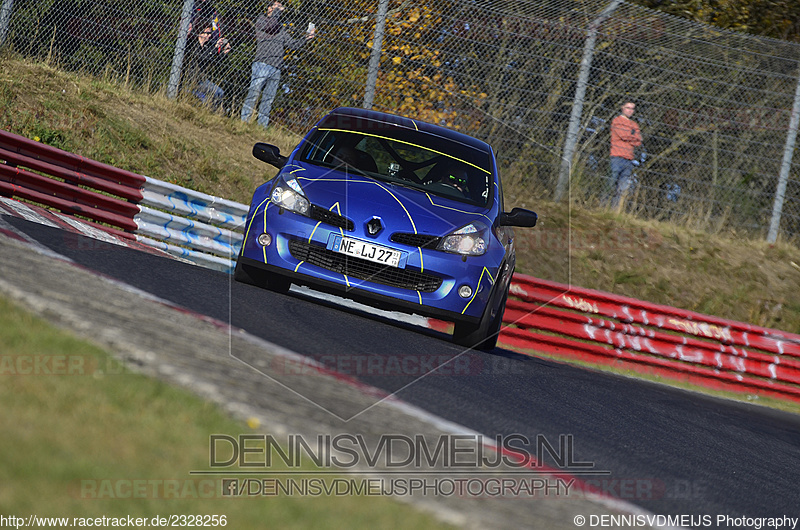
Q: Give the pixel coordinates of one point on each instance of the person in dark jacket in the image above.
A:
(208, 66)
(203, 14)
(271, 42)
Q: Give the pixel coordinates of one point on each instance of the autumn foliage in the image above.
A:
(414, 80)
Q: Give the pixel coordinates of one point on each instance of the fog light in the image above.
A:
(465, 291)
(264, 240)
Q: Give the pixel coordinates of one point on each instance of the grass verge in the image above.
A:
(723, 274)
(83, 437)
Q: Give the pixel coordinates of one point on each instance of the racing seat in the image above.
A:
(350, 156)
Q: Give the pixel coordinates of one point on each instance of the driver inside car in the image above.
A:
(456, 176)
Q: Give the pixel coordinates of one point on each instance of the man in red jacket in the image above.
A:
(625, 136)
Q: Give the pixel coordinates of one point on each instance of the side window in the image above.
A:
(319, 147)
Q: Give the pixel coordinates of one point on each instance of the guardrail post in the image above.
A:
(180, 48)
(577, 102)
(5, 18)
(786, 166)
(375, 56)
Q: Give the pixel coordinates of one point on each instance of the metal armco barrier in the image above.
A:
(194, 226)
(603, 328)
(543, 316)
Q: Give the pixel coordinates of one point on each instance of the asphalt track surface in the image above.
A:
(668, 451)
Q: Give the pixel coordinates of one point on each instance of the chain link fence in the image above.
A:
(540, 81)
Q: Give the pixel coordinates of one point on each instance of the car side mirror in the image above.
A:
(270, 154)
(518, 217)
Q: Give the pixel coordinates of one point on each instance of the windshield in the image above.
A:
(408, 158)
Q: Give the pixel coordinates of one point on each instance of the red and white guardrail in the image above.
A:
(603, 328)
(194, 226)
(566, 321)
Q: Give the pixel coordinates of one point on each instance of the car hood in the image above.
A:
(401, 209)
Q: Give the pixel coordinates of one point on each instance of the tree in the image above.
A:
(767, 18)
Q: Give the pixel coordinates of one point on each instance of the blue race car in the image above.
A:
(389, 211)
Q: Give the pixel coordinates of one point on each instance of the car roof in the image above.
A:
(361, 119)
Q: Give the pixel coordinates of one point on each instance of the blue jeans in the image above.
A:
(621, 170)
(208, 89)
(266, 77)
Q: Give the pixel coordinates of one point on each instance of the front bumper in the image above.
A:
(427, 285)
(358, 294)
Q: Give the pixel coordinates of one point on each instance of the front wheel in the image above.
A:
(482, 336)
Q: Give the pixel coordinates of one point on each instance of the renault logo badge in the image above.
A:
(374, 226)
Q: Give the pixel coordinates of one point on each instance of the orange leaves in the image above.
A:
(412, 79)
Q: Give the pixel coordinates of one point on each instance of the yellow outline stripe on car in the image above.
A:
(413, 225)
(314, 230)
(478, 287)
(412, 145)
(335, 205)
(264, 249)
(247, 232)
(268, 200)
(456, 209)
(403, 206)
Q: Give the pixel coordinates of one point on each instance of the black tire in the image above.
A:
(484, 335)
(260, 278)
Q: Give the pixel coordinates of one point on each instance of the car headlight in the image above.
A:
(289, 195)
(470, 240)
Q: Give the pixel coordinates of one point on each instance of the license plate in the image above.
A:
(368, 251)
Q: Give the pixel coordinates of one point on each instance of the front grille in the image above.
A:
(331, 218)
(416, 240)
(363, 269)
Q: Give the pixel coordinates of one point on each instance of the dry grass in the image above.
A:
(721, 274)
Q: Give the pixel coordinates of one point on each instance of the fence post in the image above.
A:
(786, 166)
(5, 18)
(180, 47)
(375, 56)
(577, 103)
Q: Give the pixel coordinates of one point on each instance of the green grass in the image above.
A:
(95, 429)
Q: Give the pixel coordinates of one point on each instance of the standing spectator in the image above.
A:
(625, 136)
(271, 41)
(208, 66)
